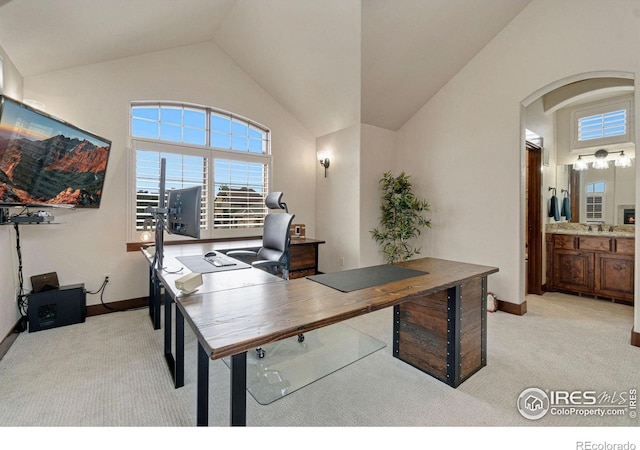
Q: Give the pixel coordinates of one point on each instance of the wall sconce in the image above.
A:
(601, 160)
(324, 162)
(147, 227)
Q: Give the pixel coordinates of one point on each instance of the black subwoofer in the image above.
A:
(58, 307)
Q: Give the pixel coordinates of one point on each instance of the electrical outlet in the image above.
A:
(107, 277)
(342, 262)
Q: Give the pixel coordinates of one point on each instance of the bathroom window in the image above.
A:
(613, 123)
(603, 124)
(595, 200)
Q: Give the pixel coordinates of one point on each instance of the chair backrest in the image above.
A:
(274, 201)
(276, 238)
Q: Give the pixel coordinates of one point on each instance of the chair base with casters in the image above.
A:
(260, 353)
(273, 256)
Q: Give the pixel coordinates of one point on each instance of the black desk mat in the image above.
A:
(354, 279)
(197, 263)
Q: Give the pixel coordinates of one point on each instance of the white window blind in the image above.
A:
(599, 126)
(181, 171)
(595, 200)
(594, 207)
(240, 188)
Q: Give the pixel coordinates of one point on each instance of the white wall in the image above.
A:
(377, 156)
(338, 201)
(465, 145)
(12, 87)
(90, 243)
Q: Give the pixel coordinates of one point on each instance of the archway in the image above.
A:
(558, 95)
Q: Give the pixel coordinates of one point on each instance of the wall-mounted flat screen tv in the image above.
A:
(45, 161)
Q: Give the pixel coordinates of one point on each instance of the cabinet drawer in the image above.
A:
(303, 256)
(625, 246)
(564, 241)
(597, 243)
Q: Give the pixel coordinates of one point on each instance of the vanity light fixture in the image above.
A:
(601, 161)
(623, 160)
(324, 162)
(580, 164)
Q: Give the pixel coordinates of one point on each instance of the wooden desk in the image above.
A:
(439, 322)
(304, 262)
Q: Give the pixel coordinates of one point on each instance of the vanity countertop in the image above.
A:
(621, 231)
(622, 234)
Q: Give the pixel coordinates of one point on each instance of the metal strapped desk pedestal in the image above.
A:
(439, 322)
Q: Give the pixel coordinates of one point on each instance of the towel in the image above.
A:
(566, 208)
(554, 211)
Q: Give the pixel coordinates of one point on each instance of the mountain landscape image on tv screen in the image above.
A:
(45, 161)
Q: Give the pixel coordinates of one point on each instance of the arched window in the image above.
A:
(229, 156)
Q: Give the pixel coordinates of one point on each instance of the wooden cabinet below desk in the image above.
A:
(304, 257)
(602, 266)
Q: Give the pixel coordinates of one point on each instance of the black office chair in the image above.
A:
(274, 255)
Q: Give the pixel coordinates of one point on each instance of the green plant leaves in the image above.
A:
(401, 218)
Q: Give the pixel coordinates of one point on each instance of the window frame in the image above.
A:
(602, 108)
(206, 151)
(595, 195)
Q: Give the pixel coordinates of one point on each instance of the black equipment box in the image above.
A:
(44, 282)
(58, 307)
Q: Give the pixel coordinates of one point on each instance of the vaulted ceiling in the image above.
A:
(331, 63)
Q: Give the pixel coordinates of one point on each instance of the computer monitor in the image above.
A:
(183, 211)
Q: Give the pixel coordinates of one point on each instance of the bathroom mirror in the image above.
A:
(614, 188)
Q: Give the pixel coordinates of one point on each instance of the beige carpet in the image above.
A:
(110, 371)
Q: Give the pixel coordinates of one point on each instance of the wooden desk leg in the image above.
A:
(444, 333)
(454, 356)
(483, 325)
(239, 389)
(202, 409)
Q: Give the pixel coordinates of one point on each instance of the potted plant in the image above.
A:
(402, 218)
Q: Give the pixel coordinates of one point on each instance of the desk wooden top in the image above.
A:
(211, 282)
(188, 247)
(231, 322)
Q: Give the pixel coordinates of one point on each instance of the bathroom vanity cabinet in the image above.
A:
(598, 264)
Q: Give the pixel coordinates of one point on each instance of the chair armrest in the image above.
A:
(245, 256)
(268, 264)
(234, 253)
